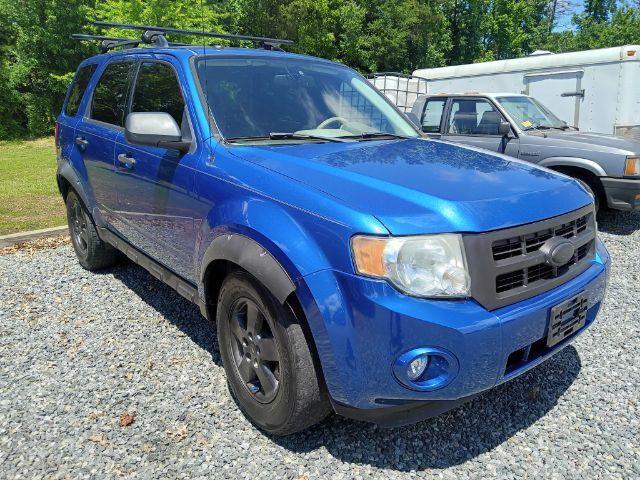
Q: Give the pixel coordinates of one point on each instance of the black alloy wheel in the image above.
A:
(254, 350)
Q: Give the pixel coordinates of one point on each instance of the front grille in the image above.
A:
(538, 272)
(509, 265)
(523, 244)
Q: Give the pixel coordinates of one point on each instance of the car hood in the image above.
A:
(423, 186)
(611, 143)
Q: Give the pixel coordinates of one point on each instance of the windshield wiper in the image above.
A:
(366, 135)
(302, 136)
(283, 136)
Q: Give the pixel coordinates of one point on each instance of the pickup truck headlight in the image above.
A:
(421, 266)
(632, 167)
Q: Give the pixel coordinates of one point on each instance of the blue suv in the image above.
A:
(350, 264)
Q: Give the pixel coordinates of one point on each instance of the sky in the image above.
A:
(563, 21)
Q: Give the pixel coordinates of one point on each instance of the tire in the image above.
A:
(594, 187)
(92, 253)
(280, 396)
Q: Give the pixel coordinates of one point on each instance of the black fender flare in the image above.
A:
(252, 257)
(66, 171)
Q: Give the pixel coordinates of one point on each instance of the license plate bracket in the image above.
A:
(567, 318)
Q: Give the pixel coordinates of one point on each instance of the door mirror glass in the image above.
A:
(154, 129)
(504, 128)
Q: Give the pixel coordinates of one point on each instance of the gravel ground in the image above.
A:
(115, 375)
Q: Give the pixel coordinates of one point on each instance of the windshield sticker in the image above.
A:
(526, 124)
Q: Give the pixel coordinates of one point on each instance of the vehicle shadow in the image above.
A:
(171, 305)
(454, 437)
(619, 223)
(450, 439)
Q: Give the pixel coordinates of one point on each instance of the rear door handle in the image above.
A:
(81, 141)
(126, 160)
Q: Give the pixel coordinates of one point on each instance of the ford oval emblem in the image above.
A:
(558, 251)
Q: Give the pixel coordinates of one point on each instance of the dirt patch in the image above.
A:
(33, 246)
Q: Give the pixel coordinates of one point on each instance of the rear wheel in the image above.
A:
(267, 359)
(92, 253)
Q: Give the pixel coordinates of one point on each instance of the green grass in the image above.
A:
(29, 198)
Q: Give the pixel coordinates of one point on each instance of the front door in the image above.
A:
(155, 185)
(96, 133)
(475, 121)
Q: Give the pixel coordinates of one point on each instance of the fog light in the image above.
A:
(426, 368)
(417, 366)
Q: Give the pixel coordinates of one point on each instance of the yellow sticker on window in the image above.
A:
(526, 123)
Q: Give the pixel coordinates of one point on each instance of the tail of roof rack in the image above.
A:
(154, 35)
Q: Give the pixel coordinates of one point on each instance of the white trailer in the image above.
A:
(594, 90)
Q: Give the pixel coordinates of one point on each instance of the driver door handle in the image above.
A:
(81, 141)
(126, 160)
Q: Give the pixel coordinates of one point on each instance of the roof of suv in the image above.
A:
(187, 51)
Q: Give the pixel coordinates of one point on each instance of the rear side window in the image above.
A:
(110, 95)
(157, 90)
(78, 87)
(432, 115)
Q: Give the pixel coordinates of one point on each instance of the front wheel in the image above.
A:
(267, 359)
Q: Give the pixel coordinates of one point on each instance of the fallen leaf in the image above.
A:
(126, 419)
(99, 438)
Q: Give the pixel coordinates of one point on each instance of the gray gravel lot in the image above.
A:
(78, 350)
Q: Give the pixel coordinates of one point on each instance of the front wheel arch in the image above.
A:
(587, 177)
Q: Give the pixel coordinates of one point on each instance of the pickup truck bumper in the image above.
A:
(362, 326)
(622, 193)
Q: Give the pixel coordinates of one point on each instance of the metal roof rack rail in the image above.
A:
(157, 35)
(109, 43)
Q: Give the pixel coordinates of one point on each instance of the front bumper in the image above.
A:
(362, 325)
(622, 193)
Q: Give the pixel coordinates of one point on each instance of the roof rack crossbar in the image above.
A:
(109, 43)
(265, 41)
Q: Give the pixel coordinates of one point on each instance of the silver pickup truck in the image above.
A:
(520, 126)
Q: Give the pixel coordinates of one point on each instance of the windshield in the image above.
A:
(263, 98)
(530, 114)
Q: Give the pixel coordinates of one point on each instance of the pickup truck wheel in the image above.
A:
(594, 187)
(267, 359)
(92, 253)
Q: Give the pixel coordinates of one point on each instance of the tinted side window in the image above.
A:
(78, 87)
(432, 115)
(157, 90)
(110, 95)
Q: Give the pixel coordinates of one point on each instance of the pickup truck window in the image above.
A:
(110, 95)
(473, 117)
(255, 97)
(77, 89)
(157, 90)
(433, 115)
(530, 114)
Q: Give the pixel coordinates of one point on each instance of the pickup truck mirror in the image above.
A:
(504, 128)
(414, 119)
(154, 129)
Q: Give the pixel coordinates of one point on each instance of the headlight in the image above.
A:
(422, 266)
(632, 167)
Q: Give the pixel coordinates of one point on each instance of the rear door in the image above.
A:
(475, 121)
(97, 131)
(155, 209)
(70, 115)
(561, 92)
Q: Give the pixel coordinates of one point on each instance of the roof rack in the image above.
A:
(109, 43)
(155, 35)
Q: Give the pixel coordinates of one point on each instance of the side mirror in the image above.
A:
(504, 128)
(414, 119)
(154, 129)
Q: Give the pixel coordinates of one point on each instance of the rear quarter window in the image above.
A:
(78, 87)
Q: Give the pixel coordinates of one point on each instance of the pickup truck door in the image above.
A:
(474, 121)
(155, 185)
